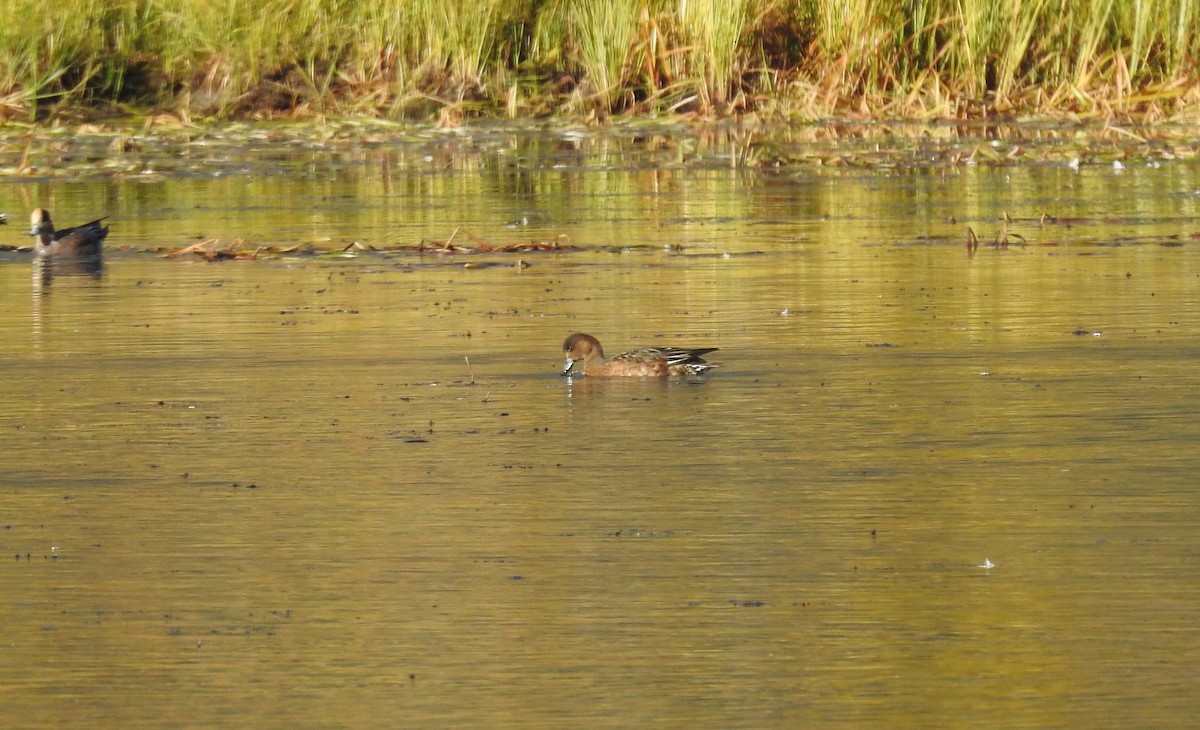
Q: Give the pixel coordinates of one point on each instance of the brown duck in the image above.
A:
(645, 362)
(81, 240)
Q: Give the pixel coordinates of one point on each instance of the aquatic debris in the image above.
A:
(986, 564)
(521, 265)
(561, 242)
(1002, 236)
(209, 250)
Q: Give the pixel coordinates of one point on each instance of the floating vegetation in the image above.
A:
(212, 249)
(158, 148)
(560, 243)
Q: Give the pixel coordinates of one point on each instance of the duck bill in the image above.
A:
(567, 366)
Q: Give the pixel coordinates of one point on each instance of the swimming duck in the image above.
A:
(644, 362)
(84, 240)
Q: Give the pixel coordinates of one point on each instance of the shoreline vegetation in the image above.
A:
(432, 60)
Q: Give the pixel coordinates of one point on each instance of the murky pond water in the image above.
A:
(317, 491)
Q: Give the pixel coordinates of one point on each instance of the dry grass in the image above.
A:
(923, 59)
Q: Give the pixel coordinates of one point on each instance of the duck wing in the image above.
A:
(91, 228)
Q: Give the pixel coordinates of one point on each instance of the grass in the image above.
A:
(603, 34)
(424, 58)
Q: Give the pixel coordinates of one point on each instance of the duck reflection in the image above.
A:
(46, 268)
(83, 272)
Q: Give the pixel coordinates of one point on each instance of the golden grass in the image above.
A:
(428, 58)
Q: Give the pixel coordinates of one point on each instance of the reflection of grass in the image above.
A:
(918, 58)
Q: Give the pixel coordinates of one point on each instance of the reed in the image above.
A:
(716, 32)
(47, 53)
(402, 58)
(602, 35)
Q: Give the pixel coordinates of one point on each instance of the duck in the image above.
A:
(84, 240)
(644, 362)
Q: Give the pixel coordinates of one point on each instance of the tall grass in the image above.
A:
(47, 54)
(399, 58)
(716, 30)
(603, 35)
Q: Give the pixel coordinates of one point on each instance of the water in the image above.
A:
(310, 491)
